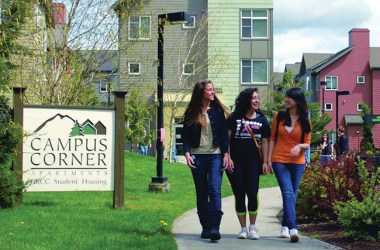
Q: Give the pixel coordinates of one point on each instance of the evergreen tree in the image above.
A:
(137, 111)
(366, 144)
(77, 129)
(318, 120)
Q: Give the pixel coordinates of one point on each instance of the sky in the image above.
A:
(320, 26)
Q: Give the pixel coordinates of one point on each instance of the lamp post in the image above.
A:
(338, 93)
(169, 18)
(323, 83)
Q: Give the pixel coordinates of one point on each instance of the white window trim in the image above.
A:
(183, 69)
(192, 26)
(337, 83)
(358, 80)
(129, 69)
(252, 82)
(326, 109)
(139, 29)
(100, 86)
(358, 107)
(255, 18)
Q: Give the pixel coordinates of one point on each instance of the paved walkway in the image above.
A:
(187, 228)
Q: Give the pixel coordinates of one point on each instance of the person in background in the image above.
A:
(291, 135)
(205, 143)
(342, 143)
(246, 165)
(326, 149)
(144, 144)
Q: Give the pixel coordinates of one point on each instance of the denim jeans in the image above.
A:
(208, 177)
(325, 159)
(144, 149)
(289, 177)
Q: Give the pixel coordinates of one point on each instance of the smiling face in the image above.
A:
(255, 101)
(290, 102)
(209, 93)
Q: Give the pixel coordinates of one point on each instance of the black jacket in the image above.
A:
(191, 135)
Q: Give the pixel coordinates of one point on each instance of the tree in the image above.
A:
(191, 63)
(318, 120)
(366, 144)
(138, 111)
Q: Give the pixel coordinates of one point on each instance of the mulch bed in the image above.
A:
(330, 232)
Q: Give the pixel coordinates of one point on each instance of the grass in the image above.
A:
(86, 220)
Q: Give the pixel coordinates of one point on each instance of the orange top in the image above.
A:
(286, 141)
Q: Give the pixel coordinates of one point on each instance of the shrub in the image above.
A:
(360, 219)
(11, 188)
(321, 187)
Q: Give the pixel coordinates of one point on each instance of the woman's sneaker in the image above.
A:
(285, 232)
(294, 237)
(243, 234)
(253, 233)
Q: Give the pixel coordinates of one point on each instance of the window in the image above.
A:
(139, 28)
(331, 82)
(103, 87)
(39, 16)
(360, 79)
(254, 71)
(188, 69)
(358, 107)
(134, 68)
(254, 24)
(178, 139)
(308, 84)
(189, 25)
(328, 106)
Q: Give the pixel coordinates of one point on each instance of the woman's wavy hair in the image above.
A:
(243, 101)
(299, 97)
(193, 110)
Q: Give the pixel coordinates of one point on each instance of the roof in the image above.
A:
(101, 60)
(295, 67)
(311, 59)
(353, 119)
(323, 64)
(374, 61)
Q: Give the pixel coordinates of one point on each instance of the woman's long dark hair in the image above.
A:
(299, 97)
(193, 110)
(243, 101)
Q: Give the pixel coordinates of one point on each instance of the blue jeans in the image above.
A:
(325, 159)
(208, 177)
(289, 177)
(143, 149)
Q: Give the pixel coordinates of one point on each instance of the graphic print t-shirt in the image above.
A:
(242, 145)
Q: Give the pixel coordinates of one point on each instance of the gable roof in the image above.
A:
(323, 64)
(311, 59)
(374, 61)
(295, 67)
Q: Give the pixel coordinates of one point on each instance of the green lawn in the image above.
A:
(86, 220)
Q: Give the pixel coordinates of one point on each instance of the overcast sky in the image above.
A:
(320, 26)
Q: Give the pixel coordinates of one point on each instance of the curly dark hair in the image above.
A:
(243, 101)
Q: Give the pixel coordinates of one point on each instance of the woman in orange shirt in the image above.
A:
(290, 136)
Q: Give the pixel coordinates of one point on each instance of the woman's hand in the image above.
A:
(230, 167)
(190, 161)
(267, 168)
(295, 150)
(226, 161)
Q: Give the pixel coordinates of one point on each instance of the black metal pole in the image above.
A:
(160, 107)
(336, 116)
(323, 99)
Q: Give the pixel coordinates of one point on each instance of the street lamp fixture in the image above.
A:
(323, 83)
(338, 93)
(163, 19)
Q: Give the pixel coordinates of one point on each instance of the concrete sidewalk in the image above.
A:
(187, 228)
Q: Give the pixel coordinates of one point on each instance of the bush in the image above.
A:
(11, 188)
(360, 219)
(321, 187)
